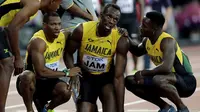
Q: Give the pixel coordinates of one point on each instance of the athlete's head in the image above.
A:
(151, 23)
(50, 5)
(110, 16)
(52, 24)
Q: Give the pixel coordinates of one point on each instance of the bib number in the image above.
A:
(53, 66)
(126, 6)
(95, 64)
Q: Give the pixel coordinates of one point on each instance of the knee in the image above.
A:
(27, 78)
(66, 93)
(129, 82)
(158, 80)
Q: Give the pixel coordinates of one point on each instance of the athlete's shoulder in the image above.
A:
(115, 32)
(39, 33)
(90, 23)
(166, 35)
(62, 36)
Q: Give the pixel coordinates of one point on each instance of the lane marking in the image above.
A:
(143, 101)
(126, 104)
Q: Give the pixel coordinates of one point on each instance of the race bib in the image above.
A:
(126, 6)
(95, 64)
(53, 66)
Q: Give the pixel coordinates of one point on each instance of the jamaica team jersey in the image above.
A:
(181, 63)
(53, 53)
(8, 10)
(96, 53)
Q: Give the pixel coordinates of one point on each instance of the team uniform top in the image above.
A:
(96, 53)
(181, 63)
(53, 52)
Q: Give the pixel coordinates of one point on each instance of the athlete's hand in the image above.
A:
(74, 72)
(138, 77)
(123, 32)
(74, 83)
(18, 65)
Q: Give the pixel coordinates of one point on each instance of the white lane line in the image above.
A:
(14, 106)
(143, 101)
(142, 110)
(126, 104)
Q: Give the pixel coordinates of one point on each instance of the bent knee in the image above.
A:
(129, 82)
(159, 81)
(66, 95)
(27, 77)
(62, 90)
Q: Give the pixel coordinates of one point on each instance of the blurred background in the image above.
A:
(184, 21)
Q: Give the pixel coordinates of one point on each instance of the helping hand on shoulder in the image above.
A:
(123, 32)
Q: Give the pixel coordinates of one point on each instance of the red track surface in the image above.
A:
(132, 103)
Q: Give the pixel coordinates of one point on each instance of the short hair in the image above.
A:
(105, 9)
(49, 14)
(156, 17)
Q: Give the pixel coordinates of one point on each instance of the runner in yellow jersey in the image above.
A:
(172, 77)
(97, 44)
(13, 15)
(40, 81)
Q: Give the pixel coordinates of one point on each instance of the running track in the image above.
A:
(132, 103)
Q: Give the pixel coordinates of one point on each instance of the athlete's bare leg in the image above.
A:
(6, 69)
(27, 88)
(61, 95)
(147, 93)
(108, 98)
(86, 107)
(166, 85)
(164, 88)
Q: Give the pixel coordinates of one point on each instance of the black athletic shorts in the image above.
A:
(5, 50)
(91, 86)
(44, 88)
(185, 85)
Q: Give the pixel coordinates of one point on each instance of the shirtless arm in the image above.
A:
(73, 44)
(36, 49)
(29, 9)
(137, 49)
(121, 59)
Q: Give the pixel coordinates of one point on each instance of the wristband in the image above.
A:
(66, 71)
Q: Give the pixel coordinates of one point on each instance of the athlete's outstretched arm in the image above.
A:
(73, 43)
(121, 59)
(36, 49)
(168, 47)
(137, 49)
(29, 9)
